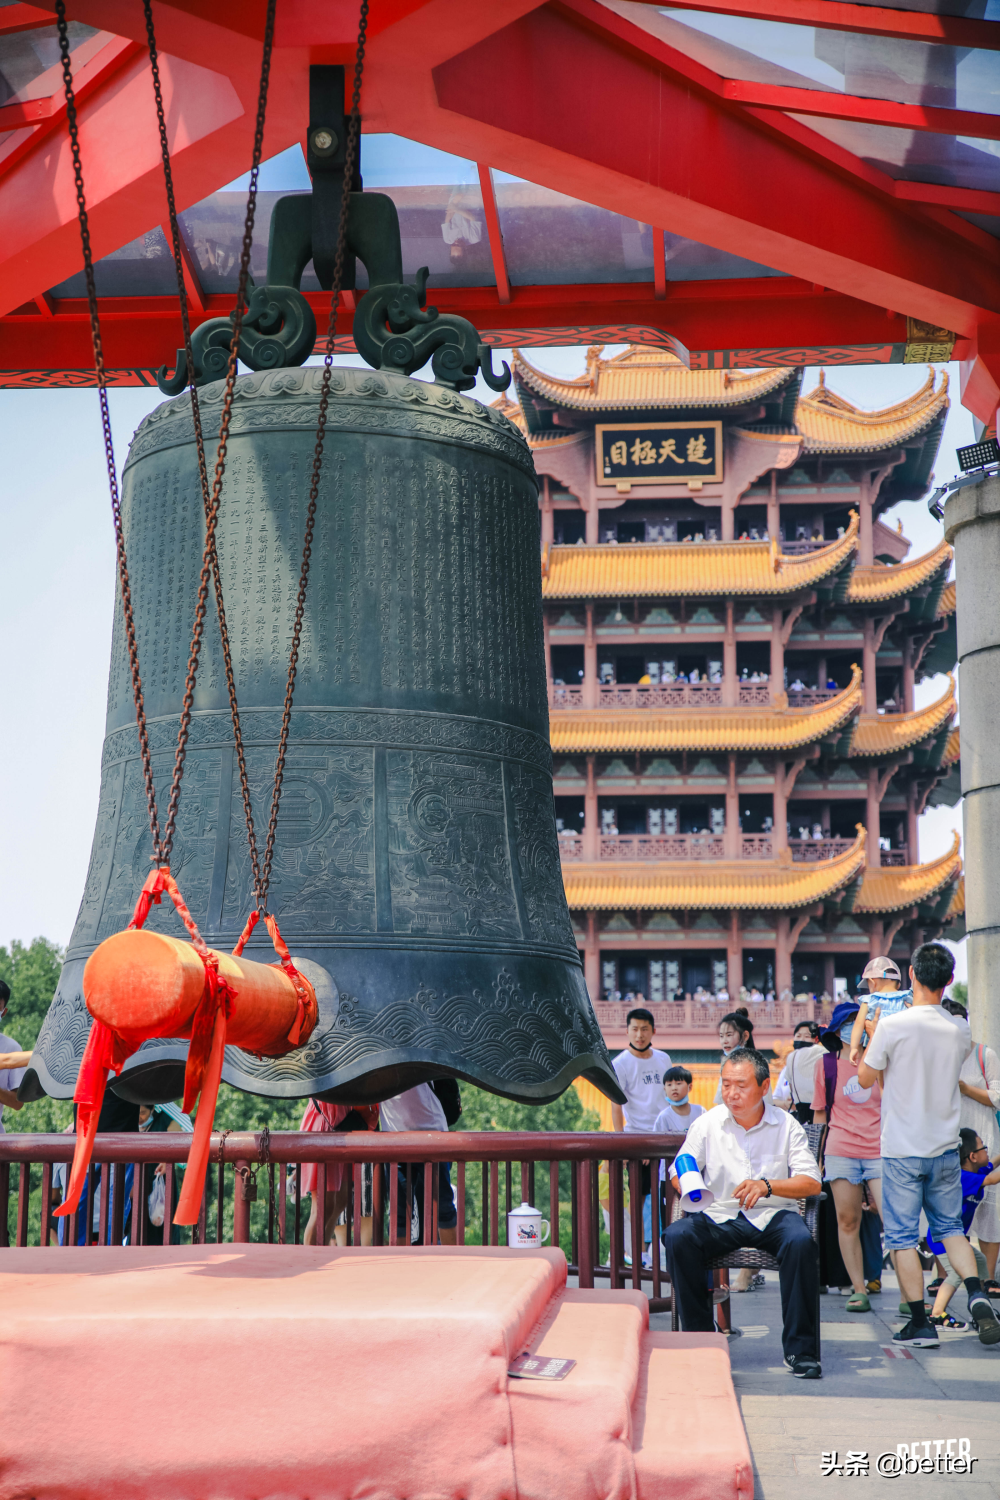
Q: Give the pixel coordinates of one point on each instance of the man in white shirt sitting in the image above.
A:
(755, 1161)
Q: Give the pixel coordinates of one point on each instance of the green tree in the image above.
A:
(959, 991)
(32, 971)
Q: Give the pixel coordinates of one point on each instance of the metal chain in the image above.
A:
(215, 500)
(175, 236)
(353, 131)
(109, 451)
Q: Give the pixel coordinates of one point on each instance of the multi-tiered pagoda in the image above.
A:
(733, 638)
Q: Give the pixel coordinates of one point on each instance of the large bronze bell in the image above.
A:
(416, 874)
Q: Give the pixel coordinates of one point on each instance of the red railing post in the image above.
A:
(585, 1223)
(319, 1202)
(23, 1196)
(241, 1206)
(4, 1204)
(616, 1224)
(46, 1225)
(636, 1206)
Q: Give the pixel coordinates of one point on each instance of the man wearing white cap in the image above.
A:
(885, 997)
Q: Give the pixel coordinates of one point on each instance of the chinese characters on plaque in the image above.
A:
(658, 452)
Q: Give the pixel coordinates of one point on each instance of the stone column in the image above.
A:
(590, 661)
(779, 833)
(912, 824)
(590, 818)
(872, 821)
(909, 672)
(732, 834)
(829, 974)
(774, 510)
(866, 541)
(592, 958)
(782, 955)
(730, 687)
(547, 515)
(777, 655)
(868, 654)
(972, 526)
(593, 522)
(734, 957)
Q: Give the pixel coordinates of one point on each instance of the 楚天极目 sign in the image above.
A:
(658, 452)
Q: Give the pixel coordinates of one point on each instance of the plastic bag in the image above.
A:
(158, 1201)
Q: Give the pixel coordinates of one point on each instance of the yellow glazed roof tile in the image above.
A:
(689, 569)
(748, 729)
(953, 749)
(946, 604)
(642, 377)
(696, 885)
(888, 734)
(879, 582)
(897, 887)
(829, 424)
(957, 907)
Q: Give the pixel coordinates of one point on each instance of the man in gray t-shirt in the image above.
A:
(10, 1078)
(916, 1057)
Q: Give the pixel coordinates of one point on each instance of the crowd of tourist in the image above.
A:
(890, 1110)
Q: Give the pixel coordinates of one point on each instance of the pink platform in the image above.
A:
(285, 1373)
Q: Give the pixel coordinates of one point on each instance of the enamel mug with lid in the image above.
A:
(526, 1229)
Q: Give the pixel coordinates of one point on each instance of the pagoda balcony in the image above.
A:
(811, 697)
(657, 846)
(632, 696)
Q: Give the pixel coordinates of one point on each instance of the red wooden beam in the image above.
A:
(682, 157)
(872, 20)
(93, 64)
(494, 232)
(973, 200)
(659, 265)
(725, 324)
(23, 18)
(869, 111)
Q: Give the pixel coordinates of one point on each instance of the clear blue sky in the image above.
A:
(58, 607)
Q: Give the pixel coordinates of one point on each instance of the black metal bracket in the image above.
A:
(393, 326)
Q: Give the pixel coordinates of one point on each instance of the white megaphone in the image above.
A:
(695, 1196)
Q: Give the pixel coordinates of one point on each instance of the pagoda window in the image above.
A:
(569, 815)
(756, 813)
(567, 665)
(758, 971)
(630, 531)
(753, 661)
(568, 528)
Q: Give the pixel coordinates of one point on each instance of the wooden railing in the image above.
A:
(650, 846)
(695, 1015)
(661, 695)
(662, 846)
(261, 1199)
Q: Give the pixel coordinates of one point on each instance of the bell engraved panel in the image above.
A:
(323, 873)
(449, 870)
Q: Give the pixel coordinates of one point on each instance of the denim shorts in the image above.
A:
(912, 1183)
(855, 1170)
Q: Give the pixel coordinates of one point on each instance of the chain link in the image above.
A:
(351, 155)
(211, 545)
(215, 500)
(109, 451)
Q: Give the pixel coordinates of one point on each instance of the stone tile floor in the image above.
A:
(865, 1401)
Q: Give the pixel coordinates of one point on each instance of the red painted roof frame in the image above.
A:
(535, 98)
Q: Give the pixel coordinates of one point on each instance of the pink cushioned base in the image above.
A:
(287, 1373)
